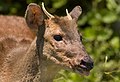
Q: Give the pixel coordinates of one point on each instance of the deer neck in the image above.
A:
(45, 70)
(48, 70)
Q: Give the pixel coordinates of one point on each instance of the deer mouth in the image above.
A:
(83, 68)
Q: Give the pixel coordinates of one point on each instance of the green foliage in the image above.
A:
(58, 3)
(100, 27)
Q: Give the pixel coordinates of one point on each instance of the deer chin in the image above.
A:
(82, 71)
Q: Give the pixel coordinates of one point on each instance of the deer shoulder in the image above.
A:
(15, 39)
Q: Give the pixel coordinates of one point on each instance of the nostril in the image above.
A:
(86, 65)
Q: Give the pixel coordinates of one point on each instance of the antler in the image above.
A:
(45, 11)
(68, 15)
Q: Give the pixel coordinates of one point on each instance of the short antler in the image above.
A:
(68, 15)
(45, 11)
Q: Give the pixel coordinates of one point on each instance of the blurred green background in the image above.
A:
(100, 27)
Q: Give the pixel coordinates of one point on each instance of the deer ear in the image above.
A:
(76, 12)
(34, 16)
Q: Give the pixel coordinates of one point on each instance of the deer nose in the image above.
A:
(87, 63)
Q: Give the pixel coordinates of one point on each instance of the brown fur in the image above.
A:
(15, 38)
(26, 57)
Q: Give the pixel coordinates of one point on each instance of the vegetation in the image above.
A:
(100, 27)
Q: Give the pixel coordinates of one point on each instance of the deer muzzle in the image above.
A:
(83, 65)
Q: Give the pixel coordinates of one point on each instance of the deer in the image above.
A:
(35, 48)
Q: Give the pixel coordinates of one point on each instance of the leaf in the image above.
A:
(90, 34)
(58, 3)
(95, 19)
(83, 20)
(109, 17)
(115, 42)
(111, 4)
(104, 34)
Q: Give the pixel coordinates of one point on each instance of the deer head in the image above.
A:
(58, 38)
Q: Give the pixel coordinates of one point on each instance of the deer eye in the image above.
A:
(58, 37)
